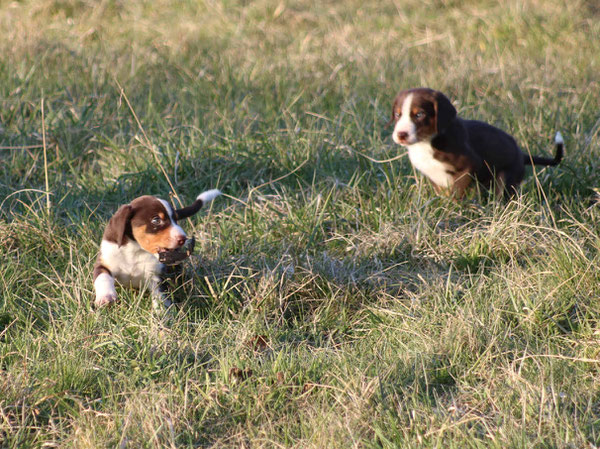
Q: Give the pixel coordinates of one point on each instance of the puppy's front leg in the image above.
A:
(440, 190)
(104, 285)
(160, 300)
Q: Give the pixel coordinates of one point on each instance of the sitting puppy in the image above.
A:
(133, 240)
(452, 151)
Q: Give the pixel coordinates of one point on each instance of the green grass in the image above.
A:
(388, 317)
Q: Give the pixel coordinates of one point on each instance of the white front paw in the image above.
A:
(105, 300)
(106, 294)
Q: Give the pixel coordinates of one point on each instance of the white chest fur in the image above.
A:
(129, 263)
(421, 156)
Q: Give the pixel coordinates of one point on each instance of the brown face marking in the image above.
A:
(397, 108)
(151, 224)
(422, 111)
(152, 242)
(423, 115)
(434, 106)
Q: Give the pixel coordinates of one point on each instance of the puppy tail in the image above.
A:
(201, 200)
(537, 160)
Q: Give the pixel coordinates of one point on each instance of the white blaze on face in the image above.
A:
(405, 124)
(176, 231)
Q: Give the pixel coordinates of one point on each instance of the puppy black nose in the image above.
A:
(402, 135)
(181, 240)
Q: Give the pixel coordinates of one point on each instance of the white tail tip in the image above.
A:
(558, 139)
(208, 196)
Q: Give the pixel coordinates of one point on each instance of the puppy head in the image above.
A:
(150, 222)
(419, 114)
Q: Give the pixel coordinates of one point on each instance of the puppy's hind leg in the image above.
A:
(511, 181)
(500, 185)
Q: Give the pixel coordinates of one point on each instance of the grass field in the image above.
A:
(334, 302)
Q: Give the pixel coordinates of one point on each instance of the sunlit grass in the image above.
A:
(333, 301)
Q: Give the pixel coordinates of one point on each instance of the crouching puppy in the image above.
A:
(133, 240)
(452, 152)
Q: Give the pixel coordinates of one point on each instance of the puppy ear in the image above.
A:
(445, 113)
(119, 225)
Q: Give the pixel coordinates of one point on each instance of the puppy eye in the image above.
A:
(397, 114)
(419, 115)
(156, 221)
